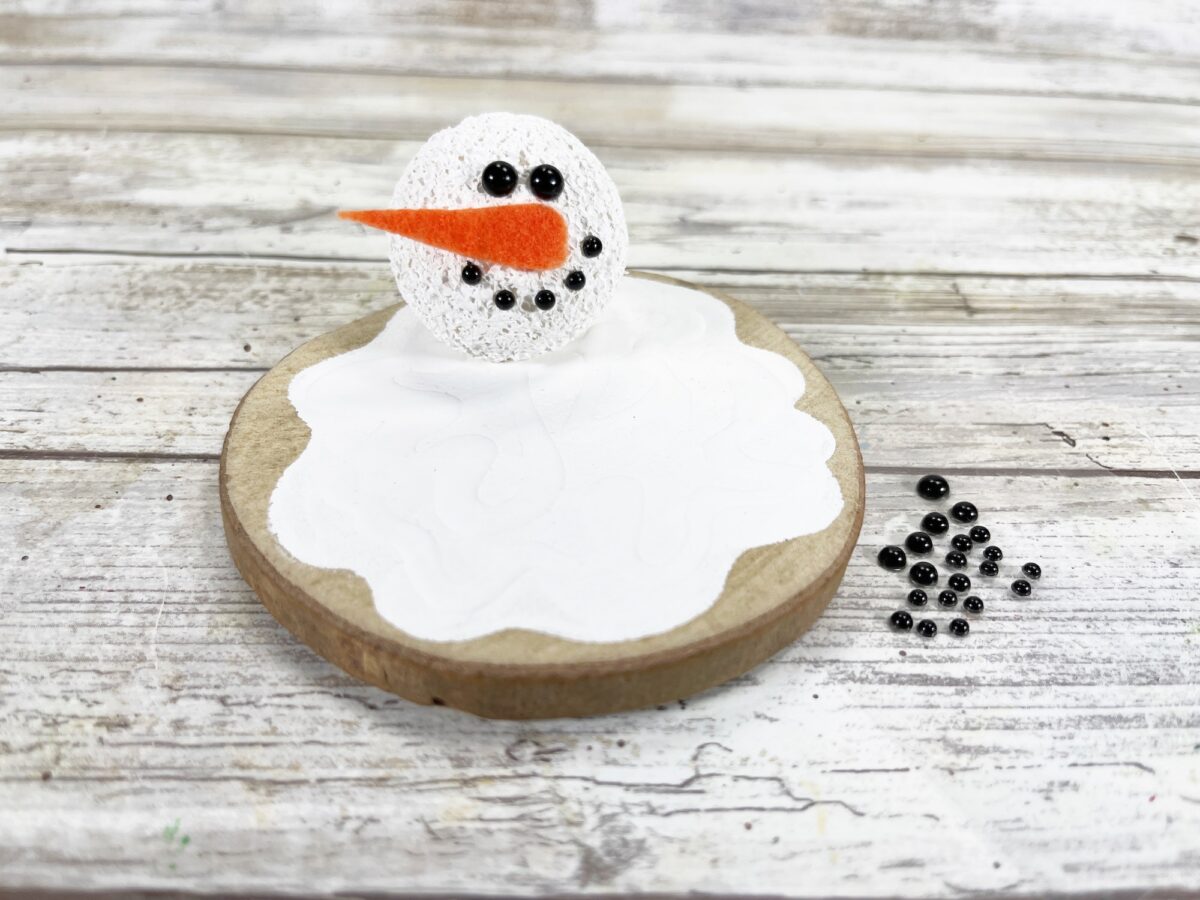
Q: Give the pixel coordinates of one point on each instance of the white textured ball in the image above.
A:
(446, 173)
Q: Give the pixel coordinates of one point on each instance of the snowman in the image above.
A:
(508, 237)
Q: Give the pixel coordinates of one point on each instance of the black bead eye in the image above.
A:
(499, 178)
(575, 280)
(591, 246)
(472, 274)
(505, 299)
(544, 299)
(546, 182)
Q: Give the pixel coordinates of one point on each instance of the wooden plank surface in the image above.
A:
(979, 218)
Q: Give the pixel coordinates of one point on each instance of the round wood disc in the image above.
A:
(772, 593)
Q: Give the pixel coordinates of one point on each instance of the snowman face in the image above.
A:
(508, 236)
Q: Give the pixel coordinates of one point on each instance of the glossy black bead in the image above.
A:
(955, 560)
(499, 178)
(917, 597)
(935, 523)
(504, 299)
(546, 182)
(472, 274)
(973, 604)
(995, 554)
(900, 620)
(959, 582)
(980, 535)
(1022, 588)
(575, 280)
(892, 557)
(962, 543)
(591, 246)
(924, 574)
(933, 487)
(544, 299)
(959, 627)
(947, 598)
(963, 511)
(918, 542)
(1032, 570)
(989, 568)
(927, 628)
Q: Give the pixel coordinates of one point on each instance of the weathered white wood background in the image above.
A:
(982, 219)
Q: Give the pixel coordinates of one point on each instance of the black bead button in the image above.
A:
(933, 487)
(924, 574)
(900, 620)
(575, 280)
(964, 511)
(591, 246)
(1022, 588)
(955, 560)
(962, 542)
(973, 604)
(959, 627)
(472, 274)
(546, 182)
(947, 598)
(1032, 570)
(995, 554)
(505, 299)
(935, 523)
(892, 557)
(980, 535)
(918, 542)
(917, 597)
(927, 628)
(544, 299)
(499, 179)
(989, 568)
(959, 582)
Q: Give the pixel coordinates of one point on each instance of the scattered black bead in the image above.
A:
(956, 560)
(1032, 570)
(973, 604)
(935, 523)
(505, 299)
(947, 598)
(989, 568)
(927, 628)
(900, 620)
(933, 487)
(546, 182)
(962, 542)
(918, 542)
(917, 597)
(544, 299)
(959, 627)
(924, 574)
(591, 246)
(1022, 588)
(963, 511)
(472, 274)
(959, 582)
(575, 280)
(499, 179)
(980, 535)
(892, 557)
(995, 554)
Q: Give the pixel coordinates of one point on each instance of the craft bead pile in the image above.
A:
(925, 574)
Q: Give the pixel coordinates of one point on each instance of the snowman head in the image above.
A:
(508, 236)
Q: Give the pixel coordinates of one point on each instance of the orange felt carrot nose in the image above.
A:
(521, 235)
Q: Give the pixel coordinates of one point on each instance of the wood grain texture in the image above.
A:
(979, 218)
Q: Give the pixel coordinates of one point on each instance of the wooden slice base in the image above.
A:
(772, 594)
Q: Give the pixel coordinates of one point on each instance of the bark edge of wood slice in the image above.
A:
(772, 594)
